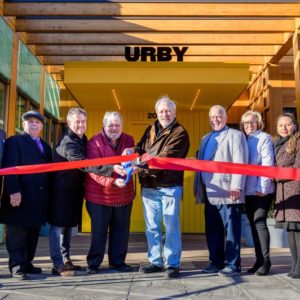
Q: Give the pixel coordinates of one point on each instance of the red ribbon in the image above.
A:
(50, 167)
(181, 164)
(166, 163)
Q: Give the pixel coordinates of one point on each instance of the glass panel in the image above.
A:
(29, 74)
(290, 110)
(52, 96)
(20, 110)
(33, 106)
(2, 104)
(54, 129)
(6, 44)
(46, 129)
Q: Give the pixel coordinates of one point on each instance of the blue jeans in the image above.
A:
(59, 242)
(223, 220)
(163, 204)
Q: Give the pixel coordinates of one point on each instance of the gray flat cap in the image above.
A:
(33, 114)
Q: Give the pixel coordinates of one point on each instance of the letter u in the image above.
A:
(136, 53)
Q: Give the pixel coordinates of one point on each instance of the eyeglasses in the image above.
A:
(250, 123)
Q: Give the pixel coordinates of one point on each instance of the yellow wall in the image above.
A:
(135, 122)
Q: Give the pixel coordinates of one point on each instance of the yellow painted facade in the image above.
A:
(135, 122)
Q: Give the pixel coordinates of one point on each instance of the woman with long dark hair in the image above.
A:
(287, 205)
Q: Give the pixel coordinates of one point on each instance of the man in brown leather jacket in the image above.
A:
(162, 189)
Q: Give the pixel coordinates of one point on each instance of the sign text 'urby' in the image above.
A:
(154, 53)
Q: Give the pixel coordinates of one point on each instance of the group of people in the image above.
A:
(227, 195)
(30, 200)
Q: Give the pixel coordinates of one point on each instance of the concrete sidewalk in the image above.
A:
(112, 285)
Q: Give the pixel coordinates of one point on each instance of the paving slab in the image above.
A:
(109, 284)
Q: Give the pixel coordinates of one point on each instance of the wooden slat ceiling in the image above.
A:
(213, 31)
(254, 32)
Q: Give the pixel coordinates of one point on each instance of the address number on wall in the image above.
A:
(151, 115)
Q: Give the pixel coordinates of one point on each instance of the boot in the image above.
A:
(264, 269)
(256, 266)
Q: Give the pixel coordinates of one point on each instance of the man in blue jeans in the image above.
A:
(162, 189)
(223, 194)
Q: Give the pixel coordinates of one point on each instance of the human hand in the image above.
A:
(234, 194)
(119, 182)
(15, 199)
(128, 151)
(119, 170)
(136, 170)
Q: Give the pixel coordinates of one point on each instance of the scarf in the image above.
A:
(279, 143)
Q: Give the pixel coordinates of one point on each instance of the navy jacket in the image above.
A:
(21, 150)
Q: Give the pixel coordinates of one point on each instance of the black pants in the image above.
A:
(117, 220)
(257, 210)
(21, 243)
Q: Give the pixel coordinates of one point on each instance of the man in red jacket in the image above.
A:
(109, 199)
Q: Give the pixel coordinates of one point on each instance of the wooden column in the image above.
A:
(296, 52)
(12, 98)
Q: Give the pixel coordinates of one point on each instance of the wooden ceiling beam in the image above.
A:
(157, 38)
(120, 50)
(154, 9)
(283, 50)
(55, 69)
(192, 25)
(255, 60)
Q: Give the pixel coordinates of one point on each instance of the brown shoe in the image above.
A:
(62, 271)
(69, 266)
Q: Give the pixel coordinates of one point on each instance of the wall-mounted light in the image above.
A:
(195, 99)
(116, 98)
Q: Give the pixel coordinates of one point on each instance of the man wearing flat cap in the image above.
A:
(23, 207)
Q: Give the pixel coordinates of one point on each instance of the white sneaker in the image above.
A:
(228, 272)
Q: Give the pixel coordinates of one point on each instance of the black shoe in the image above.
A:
(171, 272)
(121, 268)
(150, 268)
(19, 275)
(264, 269)
(255, 267)
(33, 270)
(295, 276)
(92, 270)
(70, 266)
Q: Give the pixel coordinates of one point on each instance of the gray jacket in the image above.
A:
(231, 146)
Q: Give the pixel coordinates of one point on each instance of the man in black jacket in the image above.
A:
(162, 189)
(23, 208)
(67, 191)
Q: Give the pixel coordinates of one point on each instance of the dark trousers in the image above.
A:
(220, 220)
(21, 243)
(257, 210)
(117, 220)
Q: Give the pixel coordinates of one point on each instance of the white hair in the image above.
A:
(218, 108)
(165, 99)
(109, 114)
(75, 111)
